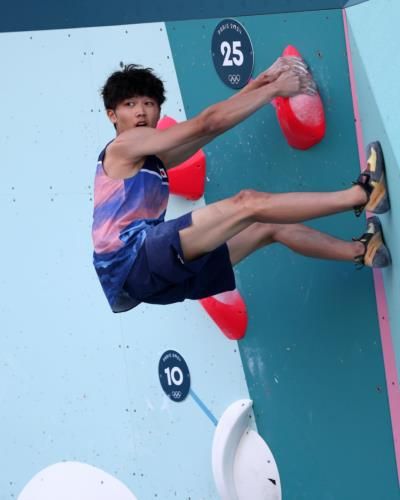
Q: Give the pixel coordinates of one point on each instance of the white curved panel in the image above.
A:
(74, 481)
(255, 472)
(228, 433)
(243, 465)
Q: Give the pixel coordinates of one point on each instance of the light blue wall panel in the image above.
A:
(76, 381)
(375, 43)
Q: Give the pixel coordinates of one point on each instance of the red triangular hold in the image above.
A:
(302, 117)
(229, 312)
(166, 122)
(188, 178)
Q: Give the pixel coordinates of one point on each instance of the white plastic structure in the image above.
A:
(243, 465)
(74, 481)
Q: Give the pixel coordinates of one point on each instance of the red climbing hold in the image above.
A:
(188, 178)
(229, 312)
(302, 117)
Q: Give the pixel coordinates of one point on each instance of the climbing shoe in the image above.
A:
(376, 253)
(373, 181)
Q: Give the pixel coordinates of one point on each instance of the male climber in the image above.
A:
(140, 257)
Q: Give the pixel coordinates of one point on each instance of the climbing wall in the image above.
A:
(83, 410)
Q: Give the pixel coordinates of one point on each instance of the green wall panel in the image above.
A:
(312, 355)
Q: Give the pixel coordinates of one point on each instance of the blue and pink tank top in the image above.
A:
(124, 210)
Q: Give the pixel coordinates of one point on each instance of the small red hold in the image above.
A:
(188, 178)
(302, 118)
(229, 312)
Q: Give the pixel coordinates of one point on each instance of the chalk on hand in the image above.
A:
(301, 117)
(300, 68)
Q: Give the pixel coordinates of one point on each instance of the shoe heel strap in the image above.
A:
(359, 259)
(363, 181)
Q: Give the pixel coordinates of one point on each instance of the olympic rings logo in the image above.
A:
(176, 394)
(234, 79)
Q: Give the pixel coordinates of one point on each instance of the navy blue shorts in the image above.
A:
(160, 275)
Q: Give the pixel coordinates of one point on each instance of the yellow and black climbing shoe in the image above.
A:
(373, 181)
(376, 253)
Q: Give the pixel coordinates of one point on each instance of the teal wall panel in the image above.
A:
(312, 354)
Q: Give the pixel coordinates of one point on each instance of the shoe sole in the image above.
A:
(376, 249)
(379, 199)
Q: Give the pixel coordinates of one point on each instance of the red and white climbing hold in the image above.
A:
(302, 118)
(229, 312)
